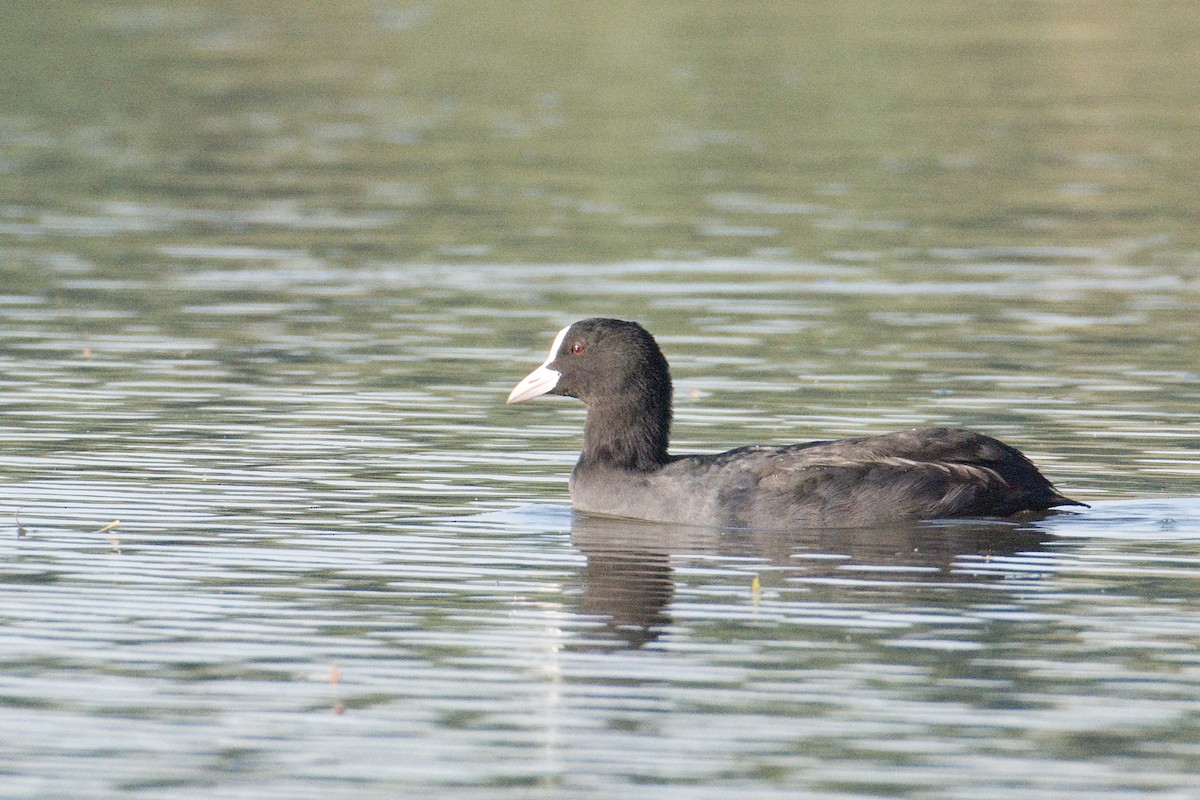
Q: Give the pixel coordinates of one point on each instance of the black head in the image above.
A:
(598, 360)
(617, 370)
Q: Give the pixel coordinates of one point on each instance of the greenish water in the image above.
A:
(267, 274)
(550, 132)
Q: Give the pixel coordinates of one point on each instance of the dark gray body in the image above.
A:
(919, 474)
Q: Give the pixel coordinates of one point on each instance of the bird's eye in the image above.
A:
(577, 349)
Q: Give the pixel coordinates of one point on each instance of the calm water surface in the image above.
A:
(268, 530)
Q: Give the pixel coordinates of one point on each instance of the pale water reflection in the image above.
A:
(628, 578)
(270, 652)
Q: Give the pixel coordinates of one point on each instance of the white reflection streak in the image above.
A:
(550, 670)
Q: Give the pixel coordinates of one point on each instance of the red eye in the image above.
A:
(577, 349)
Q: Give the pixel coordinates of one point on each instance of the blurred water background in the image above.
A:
(267, 272)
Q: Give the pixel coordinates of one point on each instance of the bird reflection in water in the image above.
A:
(628, 581)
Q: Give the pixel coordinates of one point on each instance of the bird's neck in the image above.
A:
(629, 433)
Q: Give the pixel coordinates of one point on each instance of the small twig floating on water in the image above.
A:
(113, 538)
(335, 677)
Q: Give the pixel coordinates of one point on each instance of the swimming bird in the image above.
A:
(624, 470)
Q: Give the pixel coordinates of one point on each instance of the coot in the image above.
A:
(617, 369)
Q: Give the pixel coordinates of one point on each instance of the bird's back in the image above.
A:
(918, 474)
